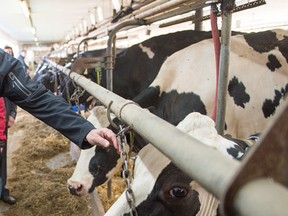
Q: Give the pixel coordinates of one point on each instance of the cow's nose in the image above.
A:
(75, 189)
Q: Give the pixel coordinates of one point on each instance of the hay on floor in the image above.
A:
(38, 189)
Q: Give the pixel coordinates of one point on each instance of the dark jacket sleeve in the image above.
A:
(41, 103)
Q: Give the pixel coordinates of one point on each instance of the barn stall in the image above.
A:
(153, 12)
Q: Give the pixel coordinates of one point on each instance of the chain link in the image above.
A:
(125, 170)
(78, 92)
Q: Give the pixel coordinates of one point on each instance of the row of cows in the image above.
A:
(174, 79)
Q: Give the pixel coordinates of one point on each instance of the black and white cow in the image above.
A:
(160, 188)
(96, 165)
(257, 82)
(137, 66)
(47, 77)
(257, 85)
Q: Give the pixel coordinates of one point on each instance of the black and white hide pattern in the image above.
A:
(257, 82)
(137, 66)
(46, 77)
(160, 188)
(96, 165)
(92, 168)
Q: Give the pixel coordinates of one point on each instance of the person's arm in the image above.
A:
(53, 110)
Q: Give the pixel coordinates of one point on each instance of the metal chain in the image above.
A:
(78, 92)
(125, 170)
(249, 5)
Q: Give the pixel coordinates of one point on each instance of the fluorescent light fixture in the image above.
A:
(116, 5)
(33, 30)
(100, 14)
(25, 8)
(35, 39)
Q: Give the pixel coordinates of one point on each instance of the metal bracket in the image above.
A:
(267, 159)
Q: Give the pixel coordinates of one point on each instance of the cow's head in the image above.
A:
(159, 187)
(97, 165)
(93, 168)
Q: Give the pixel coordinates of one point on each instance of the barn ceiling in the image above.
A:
(54, 20)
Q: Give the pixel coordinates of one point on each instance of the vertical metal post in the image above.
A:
(227, 8)
(198, 19)
(110, 56)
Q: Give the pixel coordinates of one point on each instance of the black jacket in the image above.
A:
(33, 97)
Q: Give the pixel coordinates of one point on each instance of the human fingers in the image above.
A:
(111, 136)
(102, 137)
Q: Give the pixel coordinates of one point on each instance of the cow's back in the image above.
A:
(257, 83)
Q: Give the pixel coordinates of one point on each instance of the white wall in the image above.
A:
(7, 40)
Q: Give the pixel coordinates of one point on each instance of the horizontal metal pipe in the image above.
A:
(139, 5)
(149, 6)
(204, 164)
(152, 128)
(159, 9)
(181, 10)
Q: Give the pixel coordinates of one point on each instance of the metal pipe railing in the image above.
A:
(192, 156)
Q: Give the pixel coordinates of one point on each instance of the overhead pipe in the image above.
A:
(149, 6)
(159, 9)
(138, 5)
(179, 11)
(192, 156)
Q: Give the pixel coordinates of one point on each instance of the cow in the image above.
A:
(50, 77)
(160, 188)
(137, 66)
(183, 86)
(46, 76)
(179, 197)
(97, 165)
(257, 82)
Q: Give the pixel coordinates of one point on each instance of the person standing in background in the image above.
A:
(9, 50)
(21, 58)
(9, 110)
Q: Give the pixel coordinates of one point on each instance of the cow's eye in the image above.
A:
(178, 192)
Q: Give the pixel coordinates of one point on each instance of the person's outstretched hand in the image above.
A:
(103, 137)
